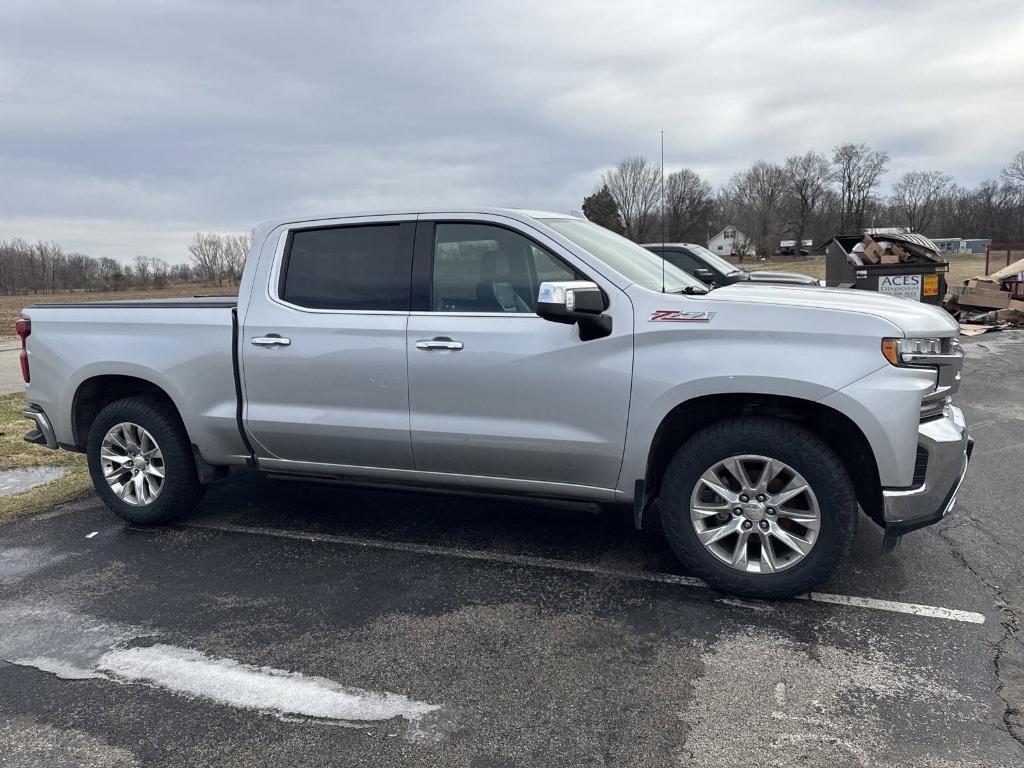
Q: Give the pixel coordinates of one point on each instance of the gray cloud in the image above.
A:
(126, 126)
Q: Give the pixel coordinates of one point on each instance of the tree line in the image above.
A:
(806, 197)
(45, 267)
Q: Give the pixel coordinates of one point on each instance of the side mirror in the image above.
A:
(704, 275)
(578, 302)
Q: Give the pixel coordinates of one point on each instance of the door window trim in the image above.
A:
(403, 263)
(423, 267)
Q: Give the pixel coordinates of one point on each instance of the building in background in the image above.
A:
(731, 242)
(961, 244)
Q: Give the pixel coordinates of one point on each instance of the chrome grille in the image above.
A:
(949, 368)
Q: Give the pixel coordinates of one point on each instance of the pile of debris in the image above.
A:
(908, 251)
(987, 302)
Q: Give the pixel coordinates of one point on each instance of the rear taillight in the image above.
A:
(24, 328)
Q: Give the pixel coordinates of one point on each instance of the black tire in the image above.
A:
(804, 452)
(181, 489)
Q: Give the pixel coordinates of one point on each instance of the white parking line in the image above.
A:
(871, 603)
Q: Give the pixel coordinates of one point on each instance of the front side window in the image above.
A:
(349, 268)
(485, 268)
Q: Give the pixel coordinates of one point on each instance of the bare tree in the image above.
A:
(688, 204)
(807, 180)
(858, 169)
(1013, 173)
(635, 183)
(160, 270)
(207, 253)
(756, 196)
(234, 249)
(916, 196)
(142, 270)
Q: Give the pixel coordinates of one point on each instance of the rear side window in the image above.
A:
(341, 268)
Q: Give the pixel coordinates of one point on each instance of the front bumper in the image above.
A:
(948, 447)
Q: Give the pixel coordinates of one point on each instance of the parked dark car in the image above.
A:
(710, 268)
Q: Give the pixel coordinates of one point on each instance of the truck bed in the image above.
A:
(183, 346)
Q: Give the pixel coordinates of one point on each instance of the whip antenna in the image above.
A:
(663, 211)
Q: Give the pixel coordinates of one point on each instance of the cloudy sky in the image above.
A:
(125, 127)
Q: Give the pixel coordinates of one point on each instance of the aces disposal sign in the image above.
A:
(902, 286)
(908, 286)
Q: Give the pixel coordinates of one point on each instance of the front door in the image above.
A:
(323, 352)
(498, 392)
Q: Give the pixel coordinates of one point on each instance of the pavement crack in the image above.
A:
(1012, 720)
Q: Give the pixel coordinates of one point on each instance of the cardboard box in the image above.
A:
(977, 297)
(872, 253)
(1013, 316)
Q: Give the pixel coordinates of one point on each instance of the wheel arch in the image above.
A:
(96, 392)
(837, 430)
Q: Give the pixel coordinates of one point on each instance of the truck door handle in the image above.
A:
(272, 340)
(441, 342)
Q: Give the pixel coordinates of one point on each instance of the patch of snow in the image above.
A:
(266, 689)
(14, 481)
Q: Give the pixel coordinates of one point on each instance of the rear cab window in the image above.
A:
(354, 268)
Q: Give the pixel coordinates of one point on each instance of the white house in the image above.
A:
(731, 242)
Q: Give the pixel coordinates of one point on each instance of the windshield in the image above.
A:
(716, 261)
(624, 256)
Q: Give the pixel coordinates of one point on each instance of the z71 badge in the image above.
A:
(678, 316)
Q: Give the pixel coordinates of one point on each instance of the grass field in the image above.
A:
(16, 453)
(960, 267)
(11, 306)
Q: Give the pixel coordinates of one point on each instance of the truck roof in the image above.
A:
(515, 213)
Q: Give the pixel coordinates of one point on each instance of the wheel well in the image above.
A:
(95, 394)
(840, 433)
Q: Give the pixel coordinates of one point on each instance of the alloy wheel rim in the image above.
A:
(755, 513)
(132, 464)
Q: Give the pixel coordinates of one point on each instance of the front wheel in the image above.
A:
(141, 462)
(758, 507)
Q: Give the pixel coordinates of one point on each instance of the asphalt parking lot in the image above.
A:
(290, 624)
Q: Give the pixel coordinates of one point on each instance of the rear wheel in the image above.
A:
(758, 507)
(141, 463)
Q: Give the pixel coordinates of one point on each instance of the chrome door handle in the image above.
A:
(439, 344)
(270, 341)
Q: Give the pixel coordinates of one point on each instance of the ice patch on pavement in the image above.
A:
(14, 481)
(76, 646)
(262, 688)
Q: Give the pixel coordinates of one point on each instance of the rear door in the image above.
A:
(495, 390)
(323, 351)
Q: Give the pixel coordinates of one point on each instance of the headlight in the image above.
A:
(896, 351)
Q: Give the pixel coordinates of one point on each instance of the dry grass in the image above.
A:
(16, 453)
(960, 267)
(11, 306)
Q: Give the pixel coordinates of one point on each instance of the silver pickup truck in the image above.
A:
(523, 353)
